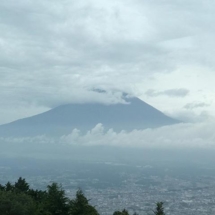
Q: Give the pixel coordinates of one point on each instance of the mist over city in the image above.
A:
(111, 102)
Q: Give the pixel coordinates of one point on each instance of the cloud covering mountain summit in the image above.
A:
(130, 115)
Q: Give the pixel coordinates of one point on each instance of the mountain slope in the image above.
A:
(63, 119)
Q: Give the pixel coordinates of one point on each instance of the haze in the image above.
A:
(112, 96)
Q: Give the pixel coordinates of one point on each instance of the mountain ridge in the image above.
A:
(136, 114)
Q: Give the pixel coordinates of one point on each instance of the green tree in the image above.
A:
(9, 187)
(80, 205)
(19, 199)
(38, 195)
(21, 185)
(123, 212)
(12, 203)
(2, 188)
(56, 201)
(159, 210)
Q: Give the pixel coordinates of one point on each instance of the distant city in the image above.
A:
(112, 177)
(115, 98)
(112, 186)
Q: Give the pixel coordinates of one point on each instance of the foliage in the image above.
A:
(21, 185)
(80, 205)
(123, 212)
(16, 204)
(56, 201)
(20, 199)
(159, 210)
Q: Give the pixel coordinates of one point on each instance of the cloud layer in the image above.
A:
(199, 135)
(170, 92)
(56, 53)
(180, 136)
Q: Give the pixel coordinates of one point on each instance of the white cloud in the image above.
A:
(57, 52)
(170, 92)
(193, 105)
(187, 135)
(180, 136)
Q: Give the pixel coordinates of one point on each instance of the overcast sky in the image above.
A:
(57, 52)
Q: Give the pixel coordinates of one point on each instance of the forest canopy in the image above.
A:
(20, 199)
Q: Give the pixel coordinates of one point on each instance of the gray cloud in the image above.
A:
(194, 105)
(180, 136)
(171, 92)
(177, 136)
(187, 115)
(57, 52)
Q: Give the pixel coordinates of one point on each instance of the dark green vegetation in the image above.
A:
(20, 199)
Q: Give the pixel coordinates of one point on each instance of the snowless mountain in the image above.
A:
(61, 120)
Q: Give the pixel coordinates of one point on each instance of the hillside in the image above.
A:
(61, 120)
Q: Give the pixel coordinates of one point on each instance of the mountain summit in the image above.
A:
(61, 120)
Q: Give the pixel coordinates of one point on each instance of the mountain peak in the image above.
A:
(134, 114)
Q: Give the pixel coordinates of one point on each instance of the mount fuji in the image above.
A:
(135, 114)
